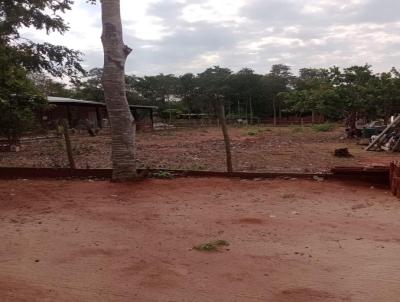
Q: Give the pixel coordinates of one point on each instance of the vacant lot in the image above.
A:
(254, 149)
(294, 241)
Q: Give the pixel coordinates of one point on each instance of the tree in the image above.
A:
(214, 83)
(277, 81)
(158, 88)
(309, 92)
(90, 87)
(17, 116)
(21, 57)
(121, 119)
(354, 86)
(247, 89)
(187, 91)
(386, 87)
(20, 52)
(50, 87)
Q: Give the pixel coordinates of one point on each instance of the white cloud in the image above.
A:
(214, 11)
(177, 36)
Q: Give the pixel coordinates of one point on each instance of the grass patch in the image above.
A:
(323, 127)
(196, 167)
(297, 129)
(211, 246)
(162, 175)
(256, 131)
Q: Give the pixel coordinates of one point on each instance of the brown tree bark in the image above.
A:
(251, 110)
(222, 121)
(68, 144)
(312, 117)
(121, 120)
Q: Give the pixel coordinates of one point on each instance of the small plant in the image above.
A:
(323, 127)
(163, 175)
(298, 129)
(196, 167)
(255, 131)
(211, 246)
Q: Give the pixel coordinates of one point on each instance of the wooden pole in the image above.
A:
(68, 145)
(152, 118)
(221, 118)
(251, 110)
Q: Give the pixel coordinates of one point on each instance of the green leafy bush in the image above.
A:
(163, 175)
(211, 246)
(323, 127)
(297, 129)
(18, 116)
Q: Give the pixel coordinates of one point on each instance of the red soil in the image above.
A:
(289, 241)
(262, 149)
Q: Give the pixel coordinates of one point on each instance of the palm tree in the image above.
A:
(121, 120)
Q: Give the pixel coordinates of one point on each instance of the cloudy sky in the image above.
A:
(178, 36)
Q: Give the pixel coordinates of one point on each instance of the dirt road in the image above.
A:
(290, 240)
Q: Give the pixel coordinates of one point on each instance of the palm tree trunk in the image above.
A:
(222, 121)
(121, 120)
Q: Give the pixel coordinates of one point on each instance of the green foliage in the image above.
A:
(50, 87)
(332, 92)
(17, 52)
(339, 94)
(323, 127)
(256, 131)
(17, 116)
(245, 93)
(20, 58)
(297, 129)
(163, 175)
(90, 87)
(211, 246)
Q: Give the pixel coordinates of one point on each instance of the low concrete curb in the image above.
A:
(367, 174)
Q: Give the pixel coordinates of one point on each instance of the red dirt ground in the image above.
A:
(290, 240)
(266, 149)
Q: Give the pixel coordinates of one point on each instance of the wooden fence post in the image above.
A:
(68, 145)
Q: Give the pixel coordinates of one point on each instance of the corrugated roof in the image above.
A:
(57, 100)
(61, 100)
(143, 107)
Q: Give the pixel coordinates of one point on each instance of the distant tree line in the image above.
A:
(335, 93)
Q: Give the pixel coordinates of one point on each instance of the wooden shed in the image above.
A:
(80, 112)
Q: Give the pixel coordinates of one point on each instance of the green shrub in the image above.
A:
(323, 127)
(256, 131)
(163, 175)
(298, 129)
(211, 246)
(17, 116)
